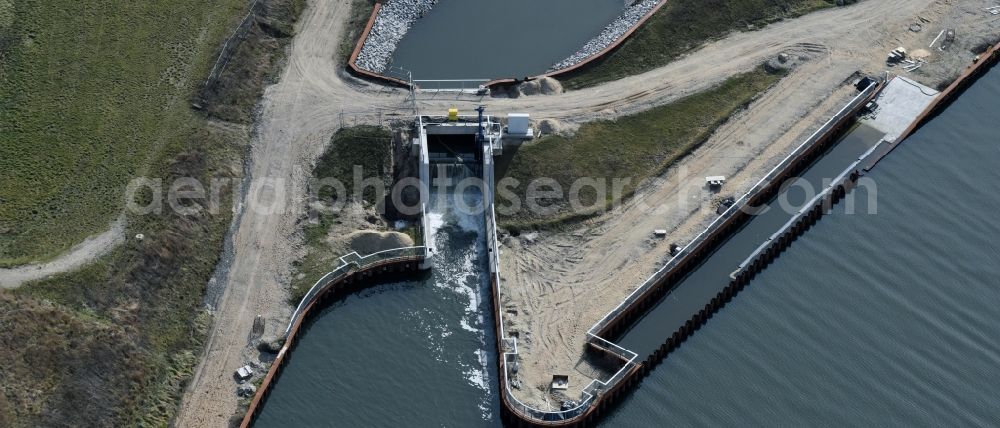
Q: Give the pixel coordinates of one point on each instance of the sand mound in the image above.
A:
(543, 86)
(920, 54)
(551, 126)
(550, 86)
(529, 88)
(369, 241)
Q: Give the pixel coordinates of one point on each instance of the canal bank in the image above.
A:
(436, 324)
(643, 316)
(656, 320)
(626, 367)
(385, 355)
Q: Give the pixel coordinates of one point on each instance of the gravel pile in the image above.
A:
(610, 34)
(391, 24)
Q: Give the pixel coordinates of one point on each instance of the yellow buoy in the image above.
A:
(453, 114)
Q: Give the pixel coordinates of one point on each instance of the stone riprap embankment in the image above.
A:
(393, 21)
(614, 31)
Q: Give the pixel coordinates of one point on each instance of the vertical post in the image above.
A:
(479, 133)
(413, 92)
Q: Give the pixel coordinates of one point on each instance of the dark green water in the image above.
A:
(488, 39)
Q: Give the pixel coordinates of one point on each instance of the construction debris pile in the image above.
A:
(393, 21)
(610, 34)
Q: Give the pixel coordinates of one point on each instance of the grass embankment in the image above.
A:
(86, 102)
(369, 147)
(637, 147)
(254, 63)
(93, 94)
(681, 26)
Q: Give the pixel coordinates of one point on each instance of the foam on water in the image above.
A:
(406, 344)
(459, 236)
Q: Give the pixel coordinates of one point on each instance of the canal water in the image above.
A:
(488, 39)
(712, 275)
(867, 320)
(408, 354)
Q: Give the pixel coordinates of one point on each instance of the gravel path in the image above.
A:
(83, 253)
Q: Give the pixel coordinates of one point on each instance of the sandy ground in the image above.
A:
(312, 100)
(291, 135)
(81, 254)
(561, 284)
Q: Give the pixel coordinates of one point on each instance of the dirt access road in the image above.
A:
(302, 111)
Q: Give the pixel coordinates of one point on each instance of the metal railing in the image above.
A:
(450, 85)
(807, 207)
(510, 356)
(738, 206)
(457, 88)
(596, 386)
(348, 264)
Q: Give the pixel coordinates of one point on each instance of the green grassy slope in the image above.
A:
(367, 146)
(681, 26)
(94, 93)
(91, 92)
(637, 147)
